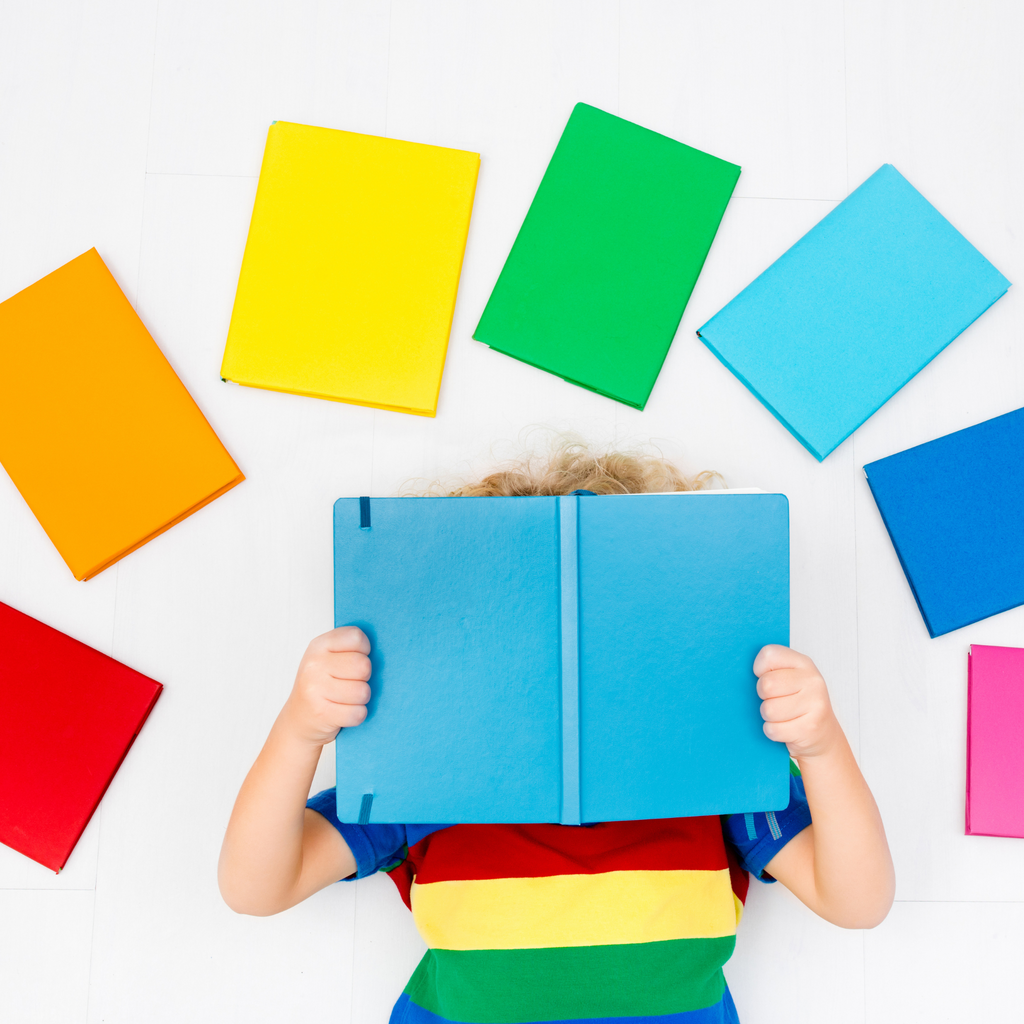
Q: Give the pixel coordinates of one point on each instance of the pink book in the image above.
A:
(995, 741)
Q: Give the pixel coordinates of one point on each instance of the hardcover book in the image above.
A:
(96, 430)
(995, 754)
(604, 264)
(68, 715)
(348, 282)
(847, 316)
(954, 509)
(562, 659)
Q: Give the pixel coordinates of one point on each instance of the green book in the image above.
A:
(604, 264)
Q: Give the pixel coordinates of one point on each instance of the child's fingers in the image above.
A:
(775, 656)
(781, 681)
(344, 638)
(338, 678)
(355, 714)
(344, 716)
(793, 731)
(347, 665)
(784, 709)
(342, 703)
(346, 691)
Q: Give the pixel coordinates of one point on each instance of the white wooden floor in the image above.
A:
(138, 126)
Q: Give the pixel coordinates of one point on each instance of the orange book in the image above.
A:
(96, 430)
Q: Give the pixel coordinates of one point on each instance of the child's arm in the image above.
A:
(276, 852)
(840, 866)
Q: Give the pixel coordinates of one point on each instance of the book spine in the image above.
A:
(366, 804)
(568, 511)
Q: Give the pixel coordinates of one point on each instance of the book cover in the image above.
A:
(597, 280)
(563, 659)
(68, 716)
(351, 268)
(96, 430)
(847, 316)
(995, 753)
(954, 509)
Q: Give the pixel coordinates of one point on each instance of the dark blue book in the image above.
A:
(566, 659)
(954, 509)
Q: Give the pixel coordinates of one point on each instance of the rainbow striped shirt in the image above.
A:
(611, 922)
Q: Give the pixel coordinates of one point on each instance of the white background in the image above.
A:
(137, 127)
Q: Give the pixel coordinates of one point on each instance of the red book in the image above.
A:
(68, 716)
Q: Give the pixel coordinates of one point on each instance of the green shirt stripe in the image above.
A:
(504, 986)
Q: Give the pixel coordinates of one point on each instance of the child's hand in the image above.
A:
(331, 690)
(795, 705)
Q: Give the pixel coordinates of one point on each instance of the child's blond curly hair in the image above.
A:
(571, 464)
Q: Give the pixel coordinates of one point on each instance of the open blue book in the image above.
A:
(570, 659)
(954, 509)
(841, 321)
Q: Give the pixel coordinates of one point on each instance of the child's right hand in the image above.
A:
(331, 689)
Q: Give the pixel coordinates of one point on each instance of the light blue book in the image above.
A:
(574, 659)
(841, 321)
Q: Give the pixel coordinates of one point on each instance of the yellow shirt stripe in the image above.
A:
(611, 908)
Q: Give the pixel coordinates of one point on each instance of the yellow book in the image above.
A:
(351, 268)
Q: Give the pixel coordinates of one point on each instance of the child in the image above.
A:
(551, 922)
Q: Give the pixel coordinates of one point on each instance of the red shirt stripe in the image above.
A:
(463, 852)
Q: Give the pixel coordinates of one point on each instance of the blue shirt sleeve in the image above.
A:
(375, 847)
(758, 837)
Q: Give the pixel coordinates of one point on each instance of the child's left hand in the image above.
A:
(795, 705)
